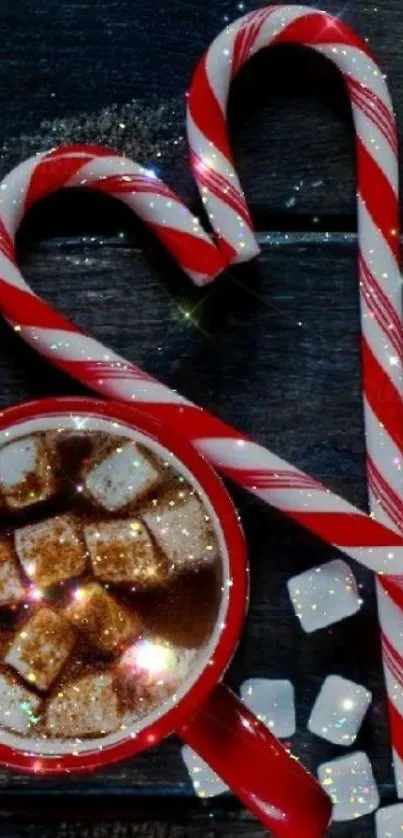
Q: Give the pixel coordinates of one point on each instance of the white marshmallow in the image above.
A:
(122, 477)
(11, 588)
(19, 708)
(51, 551)
(182, 533)
(86, 707)
(41, 648)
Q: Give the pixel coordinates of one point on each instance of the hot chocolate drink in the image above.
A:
(110, 585)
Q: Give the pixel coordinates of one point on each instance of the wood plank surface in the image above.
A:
(272, 347)
(117, 73)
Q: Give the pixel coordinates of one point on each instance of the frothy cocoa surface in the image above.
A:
(110, 584)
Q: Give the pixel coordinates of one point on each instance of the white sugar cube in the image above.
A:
(389, 821)
(205, 782)
(52, 550)
(85, 707)
(11, 588)
(41, 648)
(27, 472)
(350, 783)
(124, 475)
(324, 595)
(182, 533)
(19, 708)
(339, 710)
(122, 552)
(272, 701)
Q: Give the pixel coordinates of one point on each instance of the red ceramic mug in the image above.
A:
(203, 712)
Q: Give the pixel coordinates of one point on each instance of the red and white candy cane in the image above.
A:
(379, 274)
(106, 171)
(377, 544)
(374, 544)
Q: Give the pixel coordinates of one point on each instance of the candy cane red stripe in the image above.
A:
(395, 659)
(396, 580)
(382, 395)
(216, 184)
(378, 109)
(388, 499)
(382, 309)
(374, 109)
(58, 168)
(316, 27)
(214, 181)
(271, 478)
(378, 223)
(119, 184)
(394, 591)
(181, 234)
(6, 243)
(396, 726)
(376, 543)
(392, 666)
(380, 199)
(375, 307)
(204, 107)
(246, 37)
(32, 310)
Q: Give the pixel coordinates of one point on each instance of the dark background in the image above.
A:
(272, 347)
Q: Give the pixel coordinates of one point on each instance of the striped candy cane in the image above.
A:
(106, 171)
(376, 545)
(379, 275)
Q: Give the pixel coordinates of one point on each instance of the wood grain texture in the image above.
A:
(202, 822)
(272, 347)
(66, 65)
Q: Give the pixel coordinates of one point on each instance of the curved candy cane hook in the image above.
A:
(207, 126)
(378, 237)
(107, 171)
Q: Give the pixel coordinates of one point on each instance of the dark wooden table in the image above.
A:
(273, 347)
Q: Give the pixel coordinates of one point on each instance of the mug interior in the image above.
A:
(44, 751)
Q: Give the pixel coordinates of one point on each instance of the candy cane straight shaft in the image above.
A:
(378, 260)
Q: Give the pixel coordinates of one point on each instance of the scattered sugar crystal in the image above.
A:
(339, 710)
(272, 701)
(324, 595)
(350, 783)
